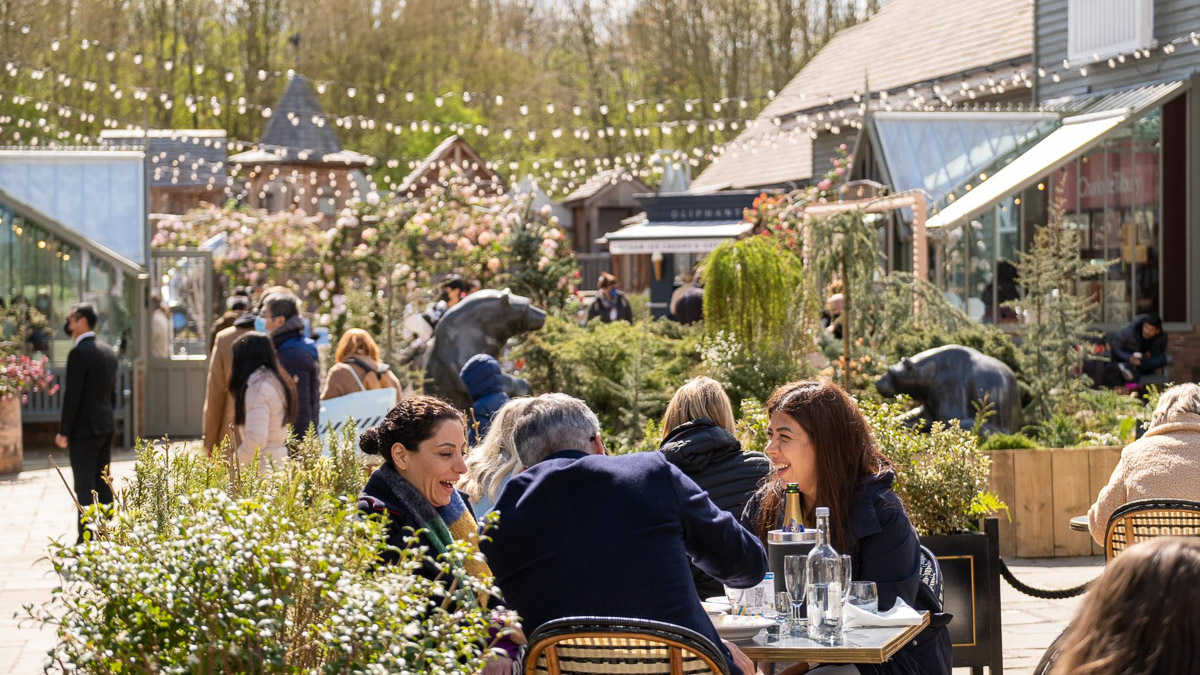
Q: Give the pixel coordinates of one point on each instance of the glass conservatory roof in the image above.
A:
(942, 151)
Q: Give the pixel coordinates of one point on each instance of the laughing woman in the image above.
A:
(422, 441)
(818, 438)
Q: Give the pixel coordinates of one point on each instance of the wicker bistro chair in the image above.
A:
(593, 645)
(1150, 518)
(931, 576)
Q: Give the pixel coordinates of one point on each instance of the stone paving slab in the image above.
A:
(37, 507)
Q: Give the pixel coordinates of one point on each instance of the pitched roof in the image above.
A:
(178, 157)
(452, 151)
(905, 43)
(298, 122)
(599, 181)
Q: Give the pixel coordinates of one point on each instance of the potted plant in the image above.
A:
(20, 375)
(943, 478)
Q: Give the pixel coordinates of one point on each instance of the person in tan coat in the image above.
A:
(218, 403)
(1163, 464)
(358, 367)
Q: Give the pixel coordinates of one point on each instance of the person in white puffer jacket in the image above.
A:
(264, 401)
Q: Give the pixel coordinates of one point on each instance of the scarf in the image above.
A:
(445, 524)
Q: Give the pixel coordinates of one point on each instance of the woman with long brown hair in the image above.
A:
(818, 438)
(1141, 617)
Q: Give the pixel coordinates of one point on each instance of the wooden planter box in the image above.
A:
(971, 580)
(1044, 489)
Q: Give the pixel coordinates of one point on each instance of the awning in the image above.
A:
(691, 236)
(1076, 136)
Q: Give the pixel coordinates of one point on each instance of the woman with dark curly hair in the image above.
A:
(422, 441)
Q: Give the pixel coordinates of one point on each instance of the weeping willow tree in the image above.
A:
(760, 315)
(757, 292)
(843, 247)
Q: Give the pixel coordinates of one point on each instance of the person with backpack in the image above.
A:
(358, 367)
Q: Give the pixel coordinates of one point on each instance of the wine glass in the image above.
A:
(795, 574)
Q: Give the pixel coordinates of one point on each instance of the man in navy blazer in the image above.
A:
(87, 411)
(584, 534)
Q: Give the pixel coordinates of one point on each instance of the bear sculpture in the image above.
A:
(951, 382)
(480, 324)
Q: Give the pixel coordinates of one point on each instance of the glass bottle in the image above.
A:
(824, 585)
(793, 519)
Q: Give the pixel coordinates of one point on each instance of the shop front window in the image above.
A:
(1111, 195)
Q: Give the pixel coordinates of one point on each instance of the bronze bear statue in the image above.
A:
(480, 324)
(950, 382)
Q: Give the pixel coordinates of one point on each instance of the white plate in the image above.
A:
(712, 607)
(740, 627)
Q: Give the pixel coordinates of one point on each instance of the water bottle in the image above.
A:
(824, 585)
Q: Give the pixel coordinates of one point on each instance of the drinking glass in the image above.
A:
(864, 595)
(779, 610)
(795, 574)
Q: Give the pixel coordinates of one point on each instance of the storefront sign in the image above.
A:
(1112, 179)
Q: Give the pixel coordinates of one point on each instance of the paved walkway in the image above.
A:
(36, 506)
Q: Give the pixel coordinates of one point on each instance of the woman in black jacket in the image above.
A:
(820, 440)
(698, 438)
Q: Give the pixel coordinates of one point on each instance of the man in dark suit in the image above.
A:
(584, 534)
(87, 415)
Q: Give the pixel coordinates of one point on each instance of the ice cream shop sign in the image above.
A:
(682, 223)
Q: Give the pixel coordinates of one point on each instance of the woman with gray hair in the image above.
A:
(1163, 464)
(495, 459)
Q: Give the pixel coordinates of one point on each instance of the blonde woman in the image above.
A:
(494, 460)
(698, 438)
(358, 367)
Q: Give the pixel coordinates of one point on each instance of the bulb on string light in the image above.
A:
(603, 109)
(550, 108)
(380, 98)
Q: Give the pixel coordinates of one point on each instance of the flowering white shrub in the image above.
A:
(255, 574)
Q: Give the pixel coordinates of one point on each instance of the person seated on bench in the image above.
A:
(1140, 348)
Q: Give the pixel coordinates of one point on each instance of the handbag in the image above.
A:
(360, 410)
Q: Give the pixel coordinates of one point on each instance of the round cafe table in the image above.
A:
(1079, 523)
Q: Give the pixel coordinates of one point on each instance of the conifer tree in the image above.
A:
(1056, 333)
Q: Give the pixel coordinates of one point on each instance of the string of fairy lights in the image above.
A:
(838, 113)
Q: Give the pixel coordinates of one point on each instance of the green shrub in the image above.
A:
(942, 476)
(986, 339)
(200, 568)
(1007, 442)
(625, 372)
(752, 426)
(749, 373)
